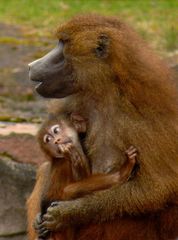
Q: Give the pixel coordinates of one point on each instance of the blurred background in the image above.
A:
(26, 33)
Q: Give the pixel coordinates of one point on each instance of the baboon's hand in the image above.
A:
(56, 217)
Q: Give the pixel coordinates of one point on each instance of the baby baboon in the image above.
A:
(69, 175)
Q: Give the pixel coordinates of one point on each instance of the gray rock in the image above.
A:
(16, 181)
(17, 237)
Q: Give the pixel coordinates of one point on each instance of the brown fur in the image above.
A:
(34, 201)
(134, 89)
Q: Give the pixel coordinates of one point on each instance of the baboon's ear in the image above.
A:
(102, 48)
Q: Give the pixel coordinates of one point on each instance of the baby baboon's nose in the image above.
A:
(57, 140)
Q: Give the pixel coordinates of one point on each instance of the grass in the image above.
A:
(156, 20)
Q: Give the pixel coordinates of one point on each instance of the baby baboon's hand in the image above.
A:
(132, 153)
(71, 152)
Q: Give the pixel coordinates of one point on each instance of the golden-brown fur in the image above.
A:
(128, 97)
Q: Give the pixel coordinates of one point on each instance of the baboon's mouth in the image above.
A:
(38, 85)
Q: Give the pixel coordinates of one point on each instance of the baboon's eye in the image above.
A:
(47, 138)
(55, 129)
(102, 48)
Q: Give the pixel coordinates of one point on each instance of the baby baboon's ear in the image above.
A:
(79, 122)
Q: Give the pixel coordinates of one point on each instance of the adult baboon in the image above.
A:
(105, 71)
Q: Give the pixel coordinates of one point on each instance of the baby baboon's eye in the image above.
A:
(55, 129)
(47, 138)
